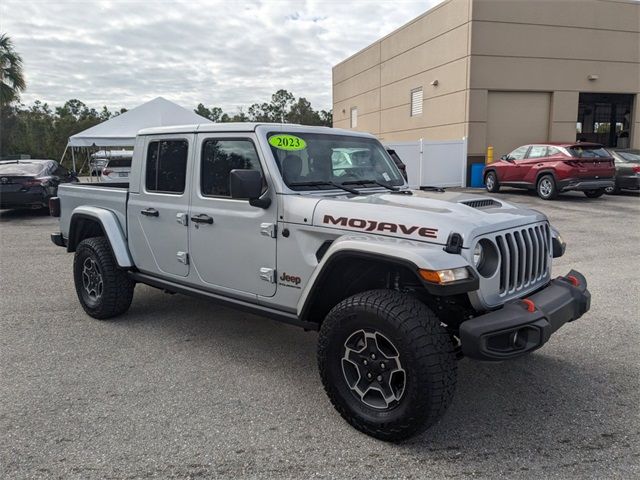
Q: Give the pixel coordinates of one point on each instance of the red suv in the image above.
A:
(553, 168)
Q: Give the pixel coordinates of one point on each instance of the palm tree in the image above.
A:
(11, 77)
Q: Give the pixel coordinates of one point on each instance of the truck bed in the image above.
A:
(112, 196)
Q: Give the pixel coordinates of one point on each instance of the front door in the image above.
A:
(157, 213)
(232, 244)
(512, 172)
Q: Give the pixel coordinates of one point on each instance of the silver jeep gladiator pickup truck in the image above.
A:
(317, 227)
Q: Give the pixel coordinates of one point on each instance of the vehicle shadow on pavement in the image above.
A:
(547, 398)
(22, 214)
(535, 403)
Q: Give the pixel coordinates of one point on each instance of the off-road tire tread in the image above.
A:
(118, 287)
(436, 364)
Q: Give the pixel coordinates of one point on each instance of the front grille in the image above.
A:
(524, 257)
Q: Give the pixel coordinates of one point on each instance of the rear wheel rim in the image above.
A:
(546, 187)
(372, 369)
(92, 281)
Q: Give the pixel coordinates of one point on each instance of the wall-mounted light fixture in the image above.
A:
(435, 83)
(593, 77)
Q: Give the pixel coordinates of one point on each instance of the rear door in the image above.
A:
(535, 159)
(232, 244)
(157, 214)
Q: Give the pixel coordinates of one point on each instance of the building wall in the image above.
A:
(378, 80)
(478, 51)
(549, 47)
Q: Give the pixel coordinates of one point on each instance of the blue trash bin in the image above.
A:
(476, 175)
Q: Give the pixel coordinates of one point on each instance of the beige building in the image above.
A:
(500, 73)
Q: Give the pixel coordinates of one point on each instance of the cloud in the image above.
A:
(225, 53)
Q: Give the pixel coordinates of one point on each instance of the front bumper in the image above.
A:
(585, 184)
(524, 325)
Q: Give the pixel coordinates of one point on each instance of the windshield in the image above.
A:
(579, 151)
(21, 168)
(629, 155)
(312, 161)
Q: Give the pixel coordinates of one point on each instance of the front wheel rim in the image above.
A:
(92, 282)
(546, 187)
(609, 189)
(372, 370)
(490, 182)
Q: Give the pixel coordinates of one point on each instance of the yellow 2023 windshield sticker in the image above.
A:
(287, 142)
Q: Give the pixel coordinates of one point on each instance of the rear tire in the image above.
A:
(546, 187)
(104, 289)
(594, 193)
(387, 364)
(491, 182)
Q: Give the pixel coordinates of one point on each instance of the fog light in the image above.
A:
(445, 276)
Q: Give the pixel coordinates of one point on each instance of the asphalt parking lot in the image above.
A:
(181, 388)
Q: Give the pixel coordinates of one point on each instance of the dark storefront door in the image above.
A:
(605, 118)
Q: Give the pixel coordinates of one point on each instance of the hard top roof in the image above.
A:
(248, 127)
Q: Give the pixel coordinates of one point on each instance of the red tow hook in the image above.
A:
(531, 307)
(574, 281)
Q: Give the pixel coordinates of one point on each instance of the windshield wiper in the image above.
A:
(375, 182)
(321, 183)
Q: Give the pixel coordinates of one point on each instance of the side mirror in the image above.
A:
(247, 184)
(504, 157)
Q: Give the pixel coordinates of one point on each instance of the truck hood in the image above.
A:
(425, 216)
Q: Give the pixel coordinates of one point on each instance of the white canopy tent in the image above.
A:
(121, 131)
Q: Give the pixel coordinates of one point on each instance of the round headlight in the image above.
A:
(478, 255)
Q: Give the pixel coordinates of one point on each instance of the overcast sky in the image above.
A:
(224, 53)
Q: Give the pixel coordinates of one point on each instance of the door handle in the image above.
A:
(202, 218)
(150, 212)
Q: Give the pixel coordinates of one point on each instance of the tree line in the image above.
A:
(42, 131)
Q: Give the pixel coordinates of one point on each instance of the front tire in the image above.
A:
(546, 187)
(491, 182)
(104, 289)
(594, 193)
(387, 364)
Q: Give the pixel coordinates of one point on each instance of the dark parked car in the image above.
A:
(553, 168)
(30, 183)
(627, 170)
(399, 163)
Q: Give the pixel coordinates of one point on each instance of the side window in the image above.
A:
(166, 166)
(518, 153)
(553, 151)
(537, 151)
(219, 157)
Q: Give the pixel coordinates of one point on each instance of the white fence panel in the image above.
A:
(437, 163)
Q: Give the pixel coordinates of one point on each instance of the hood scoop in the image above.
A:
(483, 203)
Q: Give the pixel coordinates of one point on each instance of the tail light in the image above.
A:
(573, 163)
(636, 169)
(54, 206)
(35, 182)
(106, 171)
